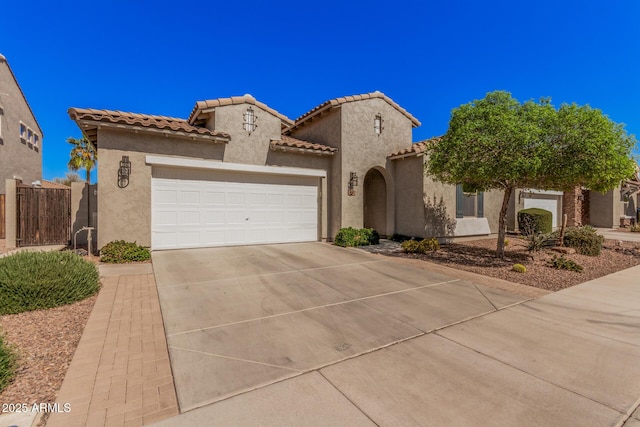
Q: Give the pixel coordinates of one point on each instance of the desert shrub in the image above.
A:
(585, 240)
(635, 228)
(506, 242)
(7, 364)
(519, 268)
(119, 252)
(562, 263)
(423, 246)
(37, 280)
(357, 237)
(534, 221)
(537, 241)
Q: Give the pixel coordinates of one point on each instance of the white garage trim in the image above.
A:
(233, 167)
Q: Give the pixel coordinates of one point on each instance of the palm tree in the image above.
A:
(83, 155)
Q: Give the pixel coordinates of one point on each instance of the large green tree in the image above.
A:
(499, 143)
(83, 156)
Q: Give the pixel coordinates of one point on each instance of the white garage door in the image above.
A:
(547, 203)
(194, 208)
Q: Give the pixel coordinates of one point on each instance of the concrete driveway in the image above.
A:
(304, 334)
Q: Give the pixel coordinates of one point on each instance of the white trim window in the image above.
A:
(36, 140)
(1, 115)
(377, 124)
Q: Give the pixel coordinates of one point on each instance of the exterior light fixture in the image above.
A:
(250, 120)
(124, 171)
(353, 182)
(377, 124)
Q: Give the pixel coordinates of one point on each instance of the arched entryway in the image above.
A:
(376, 201)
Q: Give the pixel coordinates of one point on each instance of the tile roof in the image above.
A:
(287, 142)
(416, 148)
(144, 120)
(245, 99)
(339, 101)
(51, 184)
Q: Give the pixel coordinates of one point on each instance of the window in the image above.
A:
(1, 114)
(468, 203)
(377, 124)
(36, 140)
(30, 137)
(250, 120)
(23, 133)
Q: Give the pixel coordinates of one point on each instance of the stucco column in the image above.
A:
(10, 212)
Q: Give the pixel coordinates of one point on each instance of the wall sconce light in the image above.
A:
(124, 171)
(353, 182)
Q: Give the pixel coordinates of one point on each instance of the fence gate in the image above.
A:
(2, 217)
(43, 216)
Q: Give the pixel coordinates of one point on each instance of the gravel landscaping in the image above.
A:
(44, 341)
(479, 257)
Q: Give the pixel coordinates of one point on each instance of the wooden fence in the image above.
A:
(3, 227)
(43, 216)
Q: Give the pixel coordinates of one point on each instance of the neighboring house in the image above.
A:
(238, 172)
(20, 133)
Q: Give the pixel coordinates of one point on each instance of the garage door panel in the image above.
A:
(204, 208)
(549, 204)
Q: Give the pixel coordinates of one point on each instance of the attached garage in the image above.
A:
(230, 204)
(548, 200)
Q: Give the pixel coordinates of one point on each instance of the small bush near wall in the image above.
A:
(7, 364)
(585, 240)
(534, 221)
(38, 280)
(424, 246)
(120, 252)
(357, 237)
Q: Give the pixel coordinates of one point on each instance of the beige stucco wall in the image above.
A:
(413, 186)
(125, 213)
(84, 198)
(327, 130)
(17, 159)
(248, 148)
(363, 149)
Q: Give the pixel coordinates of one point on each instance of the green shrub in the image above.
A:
(357, 237)
(534, 221)
(635, 228)
(424, 246)
(119, 252)
(37, 280)
(519, 268)
(562, 263)
(7, 364)
(538, 241)
(585, 240)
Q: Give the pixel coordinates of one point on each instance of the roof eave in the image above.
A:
(299, 150)
(85, 125)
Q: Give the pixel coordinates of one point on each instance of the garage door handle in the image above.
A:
(246, 219)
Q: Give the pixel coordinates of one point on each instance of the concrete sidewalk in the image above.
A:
(615, 234)
(566, 359)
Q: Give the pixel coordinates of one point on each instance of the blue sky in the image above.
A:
(429, 56)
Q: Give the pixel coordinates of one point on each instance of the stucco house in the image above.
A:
(20, 133)
(239, 172)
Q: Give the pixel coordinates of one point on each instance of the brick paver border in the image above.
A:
(120, 374)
